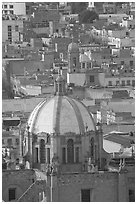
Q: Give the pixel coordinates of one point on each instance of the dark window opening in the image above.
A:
(63, 155)
(133, 82)
(17, 141)
(60, 87)
(127, 33)
(37, 158)
(77, 154)
(131, 196)
(9, 28)
(85, 195)
(110, 83)
(122, 62)
(92, 79)
(123, 83)
(83, 65)
(11, 6)
(131, 63)
(70, 151)
(48, 155)
(92, 147)
(11, 12)
(16, 28)
(12, 194)
(42, 151)
(74, 62)
(128, 82)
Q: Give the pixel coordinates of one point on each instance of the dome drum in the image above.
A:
(63, 128)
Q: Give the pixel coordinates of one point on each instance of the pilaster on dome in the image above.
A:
(59, 84)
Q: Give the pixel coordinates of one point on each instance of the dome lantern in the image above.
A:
(59, 85)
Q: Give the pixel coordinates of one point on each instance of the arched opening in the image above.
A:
(70, 151)
(42, 151)
(92, 147)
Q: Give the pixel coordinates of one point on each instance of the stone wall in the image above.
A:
(103, 186)
(28, 187)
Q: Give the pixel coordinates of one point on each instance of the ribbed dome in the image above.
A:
(61, 114)
(73, 47)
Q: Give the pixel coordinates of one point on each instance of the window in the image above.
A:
(3, 141)
(9, 34)
(131, 63)
(83, 65)
(131, 196)
(117, 83)
(42, 151)
(70, 151)
(11, 12)
(63, 155)
(9, 141)
(89, 65)
(48, 155)
(127, 33)
(5, 6)
(60, 88)
(11, 6)
(85, 195)
(122, 62)
(37, 157)
(74, 62)
(12, 194)
(133, 82)
(92, 79)
(92, 147)
(17, 141)
(9, 28)
(123, 82)
(77, 154)
(110, 83)
(128, 82)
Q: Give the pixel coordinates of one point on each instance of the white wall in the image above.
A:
(77, 78)
(33, 90)
(22, 105)
(104, 81)
(19, 8)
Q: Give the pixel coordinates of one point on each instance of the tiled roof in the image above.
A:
(120, 139)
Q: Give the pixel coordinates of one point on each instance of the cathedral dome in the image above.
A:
(61, 114)
(73, 47)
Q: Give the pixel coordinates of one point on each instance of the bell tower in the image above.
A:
(73, 58)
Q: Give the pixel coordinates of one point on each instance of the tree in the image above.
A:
(87, 16)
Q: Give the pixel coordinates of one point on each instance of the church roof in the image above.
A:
(61, 114)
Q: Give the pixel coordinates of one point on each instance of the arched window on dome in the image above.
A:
(70, 151)
(60, 88)
(42, 151)
(92, 147)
